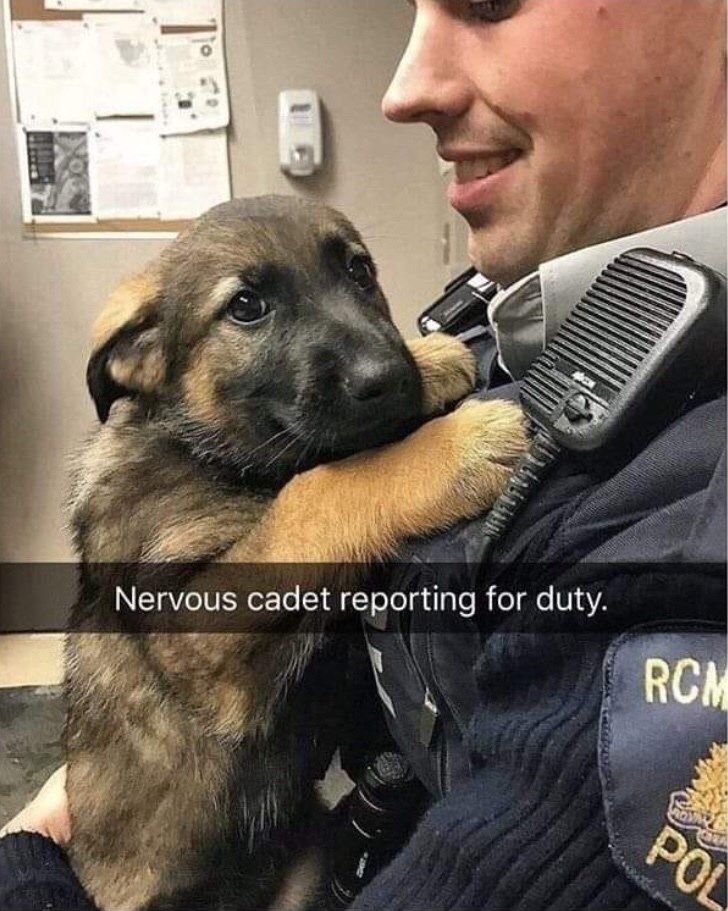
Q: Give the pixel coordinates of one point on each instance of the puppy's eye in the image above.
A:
(361, 271)
(247, 307)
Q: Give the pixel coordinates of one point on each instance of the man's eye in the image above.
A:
(247, 308)
(361, 271)
(493, 10)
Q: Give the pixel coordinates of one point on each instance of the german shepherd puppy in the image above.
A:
(245, 367)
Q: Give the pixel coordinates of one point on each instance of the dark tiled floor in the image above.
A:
(31, 720)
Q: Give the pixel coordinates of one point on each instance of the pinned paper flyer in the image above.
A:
(194, 174)
(192, 82)
(52, 71)
(127, 169)
(125, 73)
(56, 174)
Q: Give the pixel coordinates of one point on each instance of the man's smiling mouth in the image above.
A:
(483, 166)
(479, 176)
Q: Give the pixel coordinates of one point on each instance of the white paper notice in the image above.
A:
(56, 174)
(51, 71)
(194, 174)
(127, 169)
(125, 74)
(187, 12)
(91, 5)
(193, 87)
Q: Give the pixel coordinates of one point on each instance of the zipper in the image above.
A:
(459, 720)
(430, 721)
(432, 732)
(443, 750)
(429, 716)
(429, 712)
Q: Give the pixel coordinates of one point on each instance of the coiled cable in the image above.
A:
(527, 477)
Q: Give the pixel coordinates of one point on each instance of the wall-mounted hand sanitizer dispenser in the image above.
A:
(299, 129)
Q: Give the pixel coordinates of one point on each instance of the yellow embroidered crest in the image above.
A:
(703, 807)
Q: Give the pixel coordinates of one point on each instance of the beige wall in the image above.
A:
(384, 177)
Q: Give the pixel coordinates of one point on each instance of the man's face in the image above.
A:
(569, 122)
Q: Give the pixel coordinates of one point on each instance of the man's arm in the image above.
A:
(34, 871)
(34, 874)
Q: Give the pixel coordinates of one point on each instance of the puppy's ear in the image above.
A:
(127, 356)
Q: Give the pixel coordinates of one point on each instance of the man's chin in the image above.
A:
(497, 254)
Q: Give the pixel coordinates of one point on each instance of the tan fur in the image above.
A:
(223, 290)
(447, 372)
(451, 468)
(340, 513)
(157, 728)
(199, 383)
(144, 369)
(130, 304)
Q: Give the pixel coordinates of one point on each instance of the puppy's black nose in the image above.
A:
(367, 380)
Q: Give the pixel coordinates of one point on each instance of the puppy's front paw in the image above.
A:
(490, 439)
(447, 368)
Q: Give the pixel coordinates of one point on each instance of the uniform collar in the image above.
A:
(527, 314)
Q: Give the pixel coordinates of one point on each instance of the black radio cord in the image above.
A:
(527, 477)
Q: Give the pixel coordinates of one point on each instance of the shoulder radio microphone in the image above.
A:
(650, 328)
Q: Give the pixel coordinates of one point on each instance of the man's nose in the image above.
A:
(429, 84)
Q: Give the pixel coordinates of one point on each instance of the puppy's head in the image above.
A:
(262, 338)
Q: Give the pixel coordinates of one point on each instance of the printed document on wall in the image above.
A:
(193, 87)
(56, 174)
(195, 174)
(125, 74)
(91, 5)
(189, 12)
(51, 71)
(127, 169)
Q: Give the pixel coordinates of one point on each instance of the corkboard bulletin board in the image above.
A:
(34, 10)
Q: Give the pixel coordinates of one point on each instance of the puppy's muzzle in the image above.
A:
(378, 399)
(372, 381)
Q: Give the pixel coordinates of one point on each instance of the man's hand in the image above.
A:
(47, 814)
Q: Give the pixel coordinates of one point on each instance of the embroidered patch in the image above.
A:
(662, 762)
